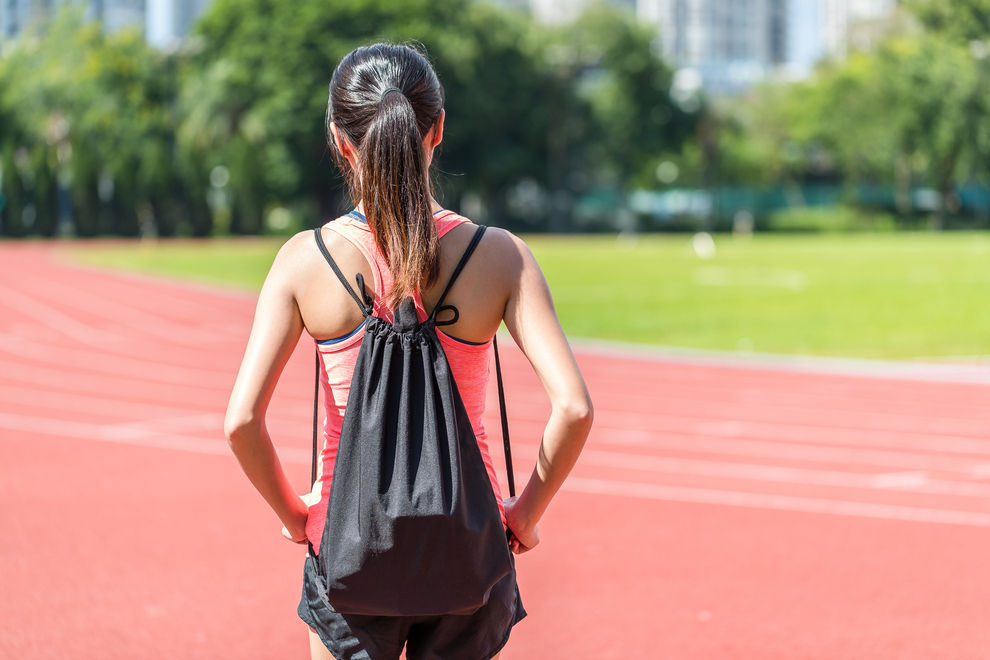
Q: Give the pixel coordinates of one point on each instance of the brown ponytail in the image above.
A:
(385, 98)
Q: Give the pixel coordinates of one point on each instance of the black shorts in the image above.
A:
(477, 636)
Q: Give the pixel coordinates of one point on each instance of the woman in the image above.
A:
(384, 120)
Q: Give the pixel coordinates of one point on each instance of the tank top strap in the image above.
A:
(447, 220)
(357, 234)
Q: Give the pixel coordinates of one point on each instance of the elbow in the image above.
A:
(238, 427)
(578, 413)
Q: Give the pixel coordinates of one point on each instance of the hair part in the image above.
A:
(384, 99)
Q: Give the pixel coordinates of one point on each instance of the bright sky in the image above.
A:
(805, 44)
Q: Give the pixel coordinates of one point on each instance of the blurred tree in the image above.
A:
(258, 105)
(940, 91)
(960, 20)
(756, 140)
(91, 113)
(614, 103)
(905, 114)
(15, 193)
(846, 109)
(102, 130)
(965, 24)
(911, 111)
(491, 63)
(23, 145)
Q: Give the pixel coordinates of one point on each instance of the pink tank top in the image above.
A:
(469, 363)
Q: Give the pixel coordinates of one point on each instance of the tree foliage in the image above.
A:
(91, 114)
(910, 112)
(960, 20)
(114, 137)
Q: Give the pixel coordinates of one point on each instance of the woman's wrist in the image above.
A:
(295, 520)
(526, 514)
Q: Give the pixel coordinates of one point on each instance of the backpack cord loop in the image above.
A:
(449, 321)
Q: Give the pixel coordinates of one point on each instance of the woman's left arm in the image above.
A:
(274, 334)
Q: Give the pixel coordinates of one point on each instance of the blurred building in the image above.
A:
(559, 11)
(169, 21)
(118, 14)
(855, 24)
(18, 15)
(723, 46)
(831, 28)
(11, 16)
(163, 22)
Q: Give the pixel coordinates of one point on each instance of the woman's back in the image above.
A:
(468, 359)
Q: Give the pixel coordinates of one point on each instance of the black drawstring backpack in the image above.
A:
(412, 526)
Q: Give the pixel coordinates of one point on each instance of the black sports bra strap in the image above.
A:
(365, 305)
(468, 251)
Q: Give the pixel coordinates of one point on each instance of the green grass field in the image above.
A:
(903, 295)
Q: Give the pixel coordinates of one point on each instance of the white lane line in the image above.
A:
(178, 442)
(68, 401)
(67, 381)
(980, 471)
(907, 481)
(143, 323)
(886, 459)
(876, 421)
(203, 286)
(972, 432)
(975, 439)
(889, 459)
(811, 395)
(837, 435)
(915, 481)
(51, 317)
(138, 435)
(112, 364)
(161, 432)
(975, 371)
(775, 502)
(142, 402)
(165, 426)
(729, 443)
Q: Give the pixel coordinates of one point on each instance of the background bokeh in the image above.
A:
(564, 117)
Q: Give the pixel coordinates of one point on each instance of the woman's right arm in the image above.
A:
(532, 321)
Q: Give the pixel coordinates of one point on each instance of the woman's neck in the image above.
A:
(434, 207)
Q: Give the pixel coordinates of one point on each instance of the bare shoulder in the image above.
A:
(294, 253)
(299, 258)
(504, 240)
(300, 250)
(298, 242)
(501, 247)
(512, 252)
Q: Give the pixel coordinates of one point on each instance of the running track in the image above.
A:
(722, 509)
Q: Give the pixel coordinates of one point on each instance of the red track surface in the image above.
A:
(720, 511)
